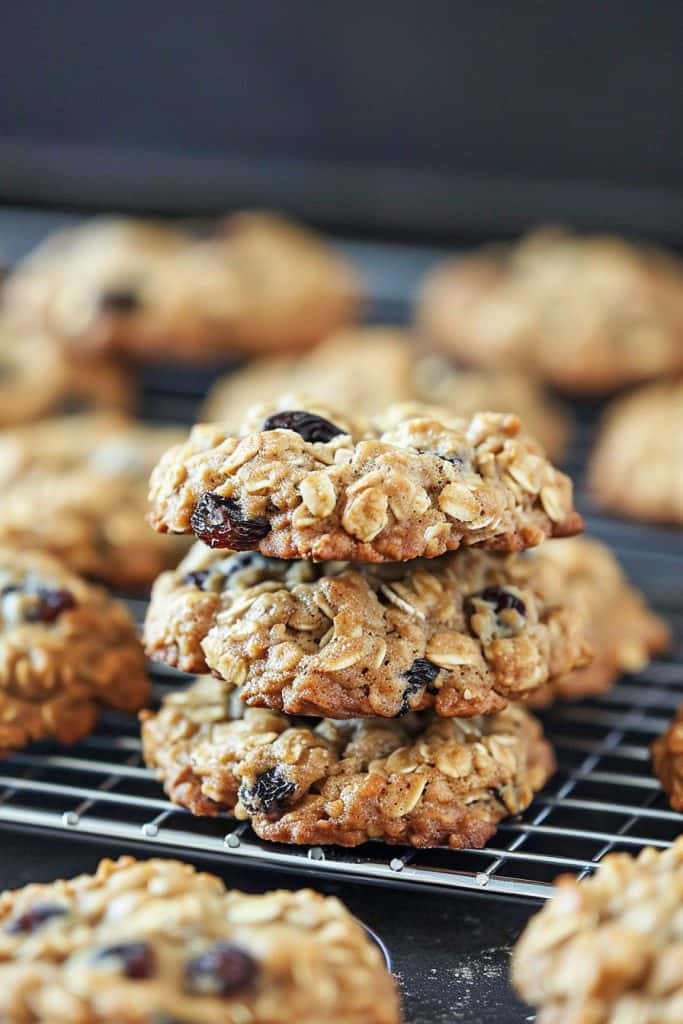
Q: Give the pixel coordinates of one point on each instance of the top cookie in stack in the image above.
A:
(300, 481)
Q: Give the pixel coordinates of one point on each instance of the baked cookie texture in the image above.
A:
(145, 942)
(636, 469)
(362, 370)
(76, 487)
(66, 650)
(586, 314)
(667, 760)
(37, 377)
(608, 949)
(419, 780)
(301, 481)
(621, 630)
(147, 291)
(464, 633)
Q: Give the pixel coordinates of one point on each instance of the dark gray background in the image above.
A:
(444, 117)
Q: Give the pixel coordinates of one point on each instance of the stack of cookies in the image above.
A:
(373, 627)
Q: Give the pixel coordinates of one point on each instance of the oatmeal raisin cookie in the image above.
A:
(463, 633)
(586, 314)
(419, 780)
(157, 942)
(302, 482)
(66, 650)
(608, 949)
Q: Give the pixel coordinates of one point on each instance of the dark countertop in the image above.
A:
(450, 952)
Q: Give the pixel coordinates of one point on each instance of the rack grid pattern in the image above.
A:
(603, 797)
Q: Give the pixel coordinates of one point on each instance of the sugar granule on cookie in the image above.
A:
(146, 942)
(418, 780)
(464, 633)
(67, 650)
(301, 481)
(608, 949)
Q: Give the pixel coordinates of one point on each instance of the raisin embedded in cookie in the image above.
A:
(304, 482)
(587, 314)
(66, 651)
(622, 631)
(418, 780)
(464, 633)
(362, 370)
(146, 942)
(637, 466)
(76, 487)
(608, 949)
(146, 291)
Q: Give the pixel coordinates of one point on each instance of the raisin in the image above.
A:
(269, 792)
(34, 918)
(51, 604)
(137, 959)
(120, 300)
(221, 971)
(220, 523)
(419, 677)
(306, 424)
(502, 599)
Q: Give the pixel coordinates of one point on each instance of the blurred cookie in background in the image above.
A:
(362, 370)
(623, 632)
(76, 487)
(586, 314)
(636, 469)
(147, 291)
(38, 377)
(67, 649)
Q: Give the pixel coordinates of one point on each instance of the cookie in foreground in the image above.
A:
(67, 650)
(300, 481)
(419, 780)
(463, 633)
(608, 949)
(140, 942)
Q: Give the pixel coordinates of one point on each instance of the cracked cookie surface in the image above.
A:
(622, 631)
(76, 487)
(587, 314)
(608, 949)
(301, 481)
(636, 469)
(419, 780)
(362, 370)
(157, 942)
(66, 650)
(147, 291)
(464, 633)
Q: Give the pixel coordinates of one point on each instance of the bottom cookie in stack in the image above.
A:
(418, 780)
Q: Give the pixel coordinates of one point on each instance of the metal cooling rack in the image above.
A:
(602, 798)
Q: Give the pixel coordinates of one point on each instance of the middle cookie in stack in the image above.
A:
(411, 663)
